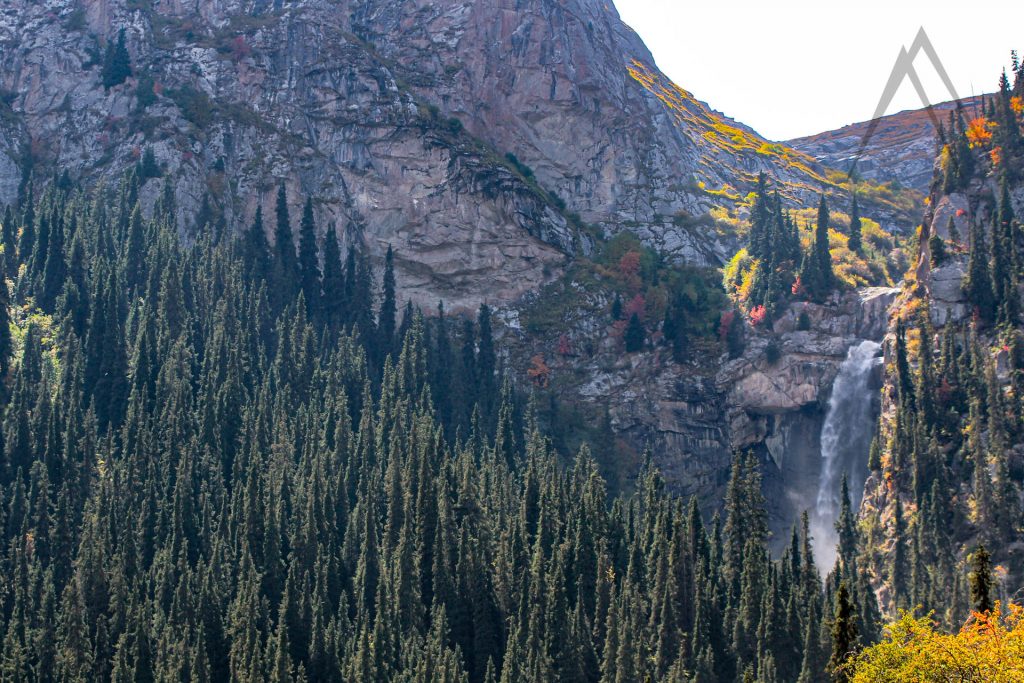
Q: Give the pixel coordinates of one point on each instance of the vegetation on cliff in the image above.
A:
(806, 254)
(941, 520)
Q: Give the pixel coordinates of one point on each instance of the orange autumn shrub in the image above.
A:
(988, 649)
(979, 131)
(996, 155)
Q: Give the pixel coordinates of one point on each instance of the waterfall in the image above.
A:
(845, 442)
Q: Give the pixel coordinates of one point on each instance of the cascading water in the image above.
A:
(845, 442)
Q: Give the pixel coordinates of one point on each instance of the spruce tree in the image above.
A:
(899, 572)
(982, 598)
(309, 264)
(117, 63)
(6, 347)
(286, 279)
(844, 635)
(486, 359)
(333, 301)
(388, 307)
(255, 251)
(634, 334)
(979, 289)
(9, 238)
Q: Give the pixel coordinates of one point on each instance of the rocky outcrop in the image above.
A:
(950, 216)
(12, 150)
(234, 102)
(776, 393)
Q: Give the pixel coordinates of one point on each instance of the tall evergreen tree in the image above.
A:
(388, 307)
(844, 635)
(286, 279)
(982, 599)
(255, 251)
(333, 302)
(309, 264)
(979, 289)
(634, 334)
(117, 63)
(6, 348)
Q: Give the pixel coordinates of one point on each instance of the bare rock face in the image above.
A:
(673, 413)
(950, 217)
(775, 403)
(8, 178)
(948, 302)
(477, 138)
(952, 207)
(12, 149)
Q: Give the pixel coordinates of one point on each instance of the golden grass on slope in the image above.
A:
(715, 129)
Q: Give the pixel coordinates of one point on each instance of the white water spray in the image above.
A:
(845, 442)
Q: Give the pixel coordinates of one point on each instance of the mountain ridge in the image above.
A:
(901, 149)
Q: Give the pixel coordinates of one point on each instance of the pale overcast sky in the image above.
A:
(791, 68)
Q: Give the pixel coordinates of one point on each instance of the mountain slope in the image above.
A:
(900, 150)
(481, 140)
(948, 476)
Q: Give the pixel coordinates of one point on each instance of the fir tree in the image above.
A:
(285, 267)
(309, 265)
(333, 301)
(844, 635)
(388, 308)
(117, 63)
(486, 359)
(5, 324)
(982, 599)
(255, 251)
(634, 334)
(898, 564)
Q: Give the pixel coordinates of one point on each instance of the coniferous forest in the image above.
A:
(239, 453)
(221, 463)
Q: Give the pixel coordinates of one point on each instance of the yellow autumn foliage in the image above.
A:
(988, 649)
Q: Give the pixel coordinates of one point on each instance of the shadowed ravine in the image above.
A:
(845, 441)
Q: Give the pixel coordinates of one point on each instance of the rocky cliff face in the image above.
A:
(691, 416)
(900, 150)
(397, 118)
(776, 401)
